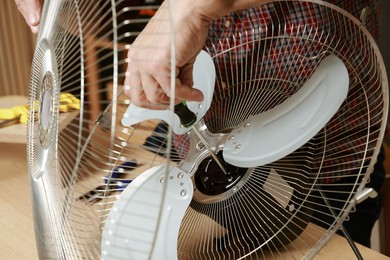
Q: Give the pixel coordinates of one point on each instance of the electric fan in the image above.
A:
(294, 113)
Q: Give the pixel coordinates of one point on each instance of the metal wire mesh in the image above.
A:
(262, 56)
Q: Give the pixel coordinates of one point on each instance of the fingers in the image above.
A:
(146, 91)
(148, 84)
(183, 92)
(153, 91)
(187, 93)
(184, 85)
(31, 11)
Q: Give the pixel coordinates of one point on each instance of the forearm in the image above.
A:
(214, 9)
(235, 5)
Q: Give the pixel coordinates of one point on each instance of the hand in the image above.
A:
(148, 76)
(31, 11)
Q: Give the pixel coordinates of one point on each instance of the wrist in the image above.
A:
(215, 9)
(210, 9)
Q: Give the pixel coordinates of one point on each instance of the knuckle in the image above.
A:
(137, 102)
(154, 99)
(127, 91)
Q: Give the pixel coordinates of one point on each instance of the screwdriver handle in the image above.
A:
(187, 117)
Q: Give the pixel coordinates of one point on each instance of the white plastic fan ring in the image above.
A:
(269, 136)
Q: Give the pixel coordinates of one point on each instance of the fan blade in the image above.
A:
(130, 229)
(269, 136)
(204, 80)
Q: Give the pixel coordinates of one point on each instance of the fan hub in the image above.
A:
(46, 109)
(45, 102)
(211, 180)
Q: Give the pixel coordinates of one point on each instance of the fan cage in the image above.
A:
(262, 56)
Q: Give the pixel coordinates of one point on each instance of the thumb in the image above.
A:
(186, 75)
(31, 11)
(187, 82)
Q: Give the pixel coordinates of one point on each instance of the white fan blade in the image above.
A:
(130, 228)
(204, 80)
(271, 135)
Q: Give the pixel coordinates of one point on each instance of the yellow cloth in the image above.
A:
(67, 103)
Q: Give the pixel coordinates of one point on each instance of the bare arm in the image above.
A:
(214, 9)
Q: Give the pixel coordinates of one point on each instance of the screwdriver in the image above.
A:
(188, 119)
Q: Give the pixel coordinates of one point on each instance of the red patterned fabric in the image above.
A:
(249, 32)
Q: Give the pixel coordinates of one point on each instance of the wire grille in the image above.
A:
(262, 56)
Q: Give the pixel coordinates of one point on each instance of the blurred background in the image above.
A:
(16, 50)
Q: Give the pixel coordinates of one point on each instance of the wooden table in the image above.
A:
(17, 133)
(17, 240)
